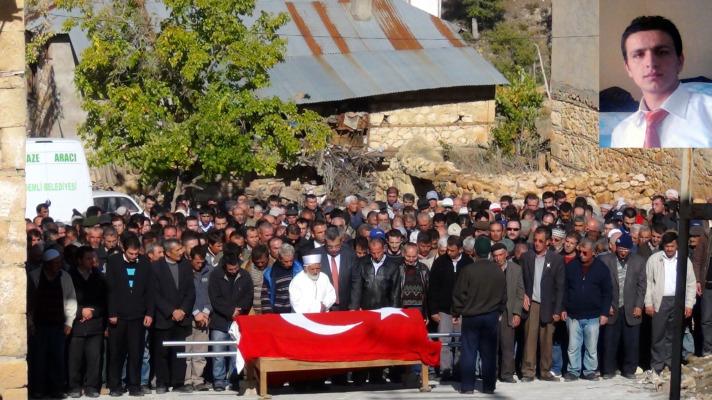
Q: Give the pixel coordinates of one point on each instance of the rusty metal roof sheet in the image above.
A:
(333, 56)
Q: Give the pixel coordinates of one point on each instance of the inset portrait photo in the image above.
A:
(655, 74)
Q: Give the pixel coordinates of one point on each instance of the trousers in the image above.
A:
(479, 336)
(84, 362)
(537, 335)
(126, 341)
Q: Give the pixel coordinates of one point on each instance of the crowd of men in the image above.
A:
(546, 288)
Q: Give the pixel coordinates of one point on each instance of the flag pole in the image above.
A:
(681, 281)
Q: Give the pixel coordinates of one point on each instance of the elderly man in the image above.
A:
(588, 299)
(51, 309)
(593, 229)
(626, 314)
(413, 278)
(310, 290)
(544, 279)
(514, 228)
(661, 272)
(277, 277)
(512, 315)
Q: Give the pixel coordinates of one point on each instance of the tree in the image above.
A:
(176, 101)
(517, 107)
(510, 46)
(487, 12)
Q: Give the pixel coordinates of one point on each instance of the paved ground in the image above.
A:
(617, 388)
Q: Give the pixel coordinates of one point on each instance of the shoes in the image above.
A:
(136, 393)
(116, 393)
(58, 395)
(75, 394)
(91, 393)
(146, 389)
(201, 387)
(488, 391)
(549, 378)
(183, 389)
(556, 374)
(569, 377)
(590, 377)
(507, 379)
(610, 375)
(161, 390)
(467, 392)
(527, 379)
(627, 375)
(219, 388)
(446, 375)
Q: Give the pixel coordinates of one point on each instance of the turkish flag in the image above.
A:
(384, 334)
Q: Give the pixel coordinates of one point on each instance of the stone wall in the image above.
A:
(459, 123)
(13, 122)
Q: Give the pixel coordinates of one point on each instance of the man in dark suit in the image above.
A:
(174, 293)
(628, 278)
(512, 315)
(543, 271)
(339, 261)
(130, 311)
(439, 297)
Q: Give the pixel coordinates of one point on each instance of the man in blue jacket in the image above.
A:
(587, 301)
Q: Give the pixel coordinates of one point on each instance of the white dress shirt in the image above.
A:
(307, 296)
(670, 275)
(688, 124)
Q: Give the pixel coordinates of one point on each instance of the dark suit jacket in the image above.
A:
(552, 283)
(124, 302)
(170, 298)
(633, 289)
(348, 275)
(515, 291)
(442, 282)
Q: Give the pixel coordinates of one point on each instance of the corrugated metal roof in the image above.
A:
(333, 56)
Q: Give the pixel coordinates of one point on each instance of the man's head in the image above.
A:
(334, 240)
(425, 243)
(377, 247)
(514, 227)
(274, 245)
(395, 239)
(454, 247)
(624, 244)
(197, 257)
(231, 264)
(312, 265)
(495, 231)
(542, 239)
(260, 257)
(318, 231)
(652, 52)
(499, 254)
(669, 243)
(132, 247)
(585, 249)
(174, 250)
(410, 253)
(571, 242)
(286, 255)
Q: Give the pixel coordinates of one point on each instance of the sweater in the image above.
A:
(91, 293)
(587, 295)
(480, 288)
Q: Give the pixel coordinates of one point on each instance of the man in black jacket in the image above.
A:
(439, 297)
(231, 294)
(543, 271)
(131, 306)
(85, 345)
(174, 298)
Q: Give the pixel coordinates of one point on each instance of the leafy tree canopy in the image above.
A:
(518, 106)
(177, 100)
(487, 12)
(510, 46)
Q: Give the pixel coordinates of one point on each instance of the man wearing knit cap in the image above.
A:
(622, 333)
(479, 297)
(557, 239)
(310, 291)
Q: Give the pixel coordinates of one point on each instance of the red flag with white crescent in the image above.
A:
(383, 334)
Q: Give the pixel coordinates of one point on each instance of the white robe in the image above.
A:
(307, 296)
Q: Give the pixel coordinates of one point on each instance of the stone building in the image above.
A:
(13, 121)
(404, 74)
(574, 116)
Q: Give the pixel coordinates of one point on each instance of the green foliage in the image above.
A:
(518, 107)
(510, 46)
(487, 12)
(179, 101)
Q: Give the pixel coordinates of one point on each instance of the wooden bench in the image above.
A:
(266, 365)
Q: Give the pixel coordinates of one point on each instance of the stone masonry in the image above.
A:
(459, 123)
(13, 120)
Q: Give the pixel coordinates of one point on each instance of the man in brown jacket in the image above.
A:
(512, 315)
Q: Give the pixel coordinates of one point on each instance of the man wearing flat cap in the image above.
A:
(622, 332)
(310, 291)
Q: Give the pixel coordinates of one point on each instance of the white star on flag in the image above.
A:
(388, 311)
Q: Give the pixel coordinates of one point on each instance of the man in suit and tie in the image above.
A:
(338, 262)
(543, 271)
(626, 314)
(512, 315)
(130, 311)
(174, 292)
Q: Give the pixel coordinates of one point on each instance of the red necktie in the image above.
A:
(335, 277)
(653, 120)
